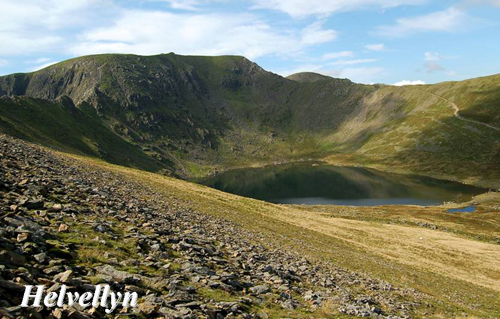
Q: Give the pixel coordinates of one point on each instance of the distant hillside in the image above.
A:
(308, 77)
(191, 115)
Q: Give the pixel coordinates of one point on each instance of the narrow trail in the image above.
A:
(456, 111)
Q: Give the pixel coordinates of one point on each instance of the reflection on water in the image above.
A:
(332, 185)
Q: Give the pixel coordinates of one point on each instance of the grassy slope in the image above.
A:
(452, 258)
(428, 139)
(478, 99)
(69, 129)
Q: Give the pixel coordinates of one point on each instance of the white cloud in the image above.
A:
(432, 64)
(304, 8)
(49, 14)
(3, 63)
(30, 26)
(375, 47)
(406, 82)
(432, 67)
(189, 5)
(25, 44)
(184, 4)
(153, 32)
(38, 61)
(353, 62)
(444, 21)
(495, 3)
(315, 34)
(432, 56)
(43, 66)
(337, 55)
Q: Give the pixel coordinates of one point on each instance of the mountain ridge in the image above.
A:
(310, 77)
(192, 115)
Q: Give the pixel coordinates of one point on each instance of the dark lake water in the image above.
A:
(332, 185)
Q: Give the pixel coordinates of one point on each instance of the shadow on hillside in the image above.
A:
(392, 111)
(484, 108)
(455, 148)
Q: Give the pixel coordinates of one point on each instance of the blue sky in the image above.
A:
(368, 41)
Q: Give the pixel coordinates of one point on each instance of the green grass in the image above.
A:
(90, 249)
(68, 129)
(218, 295)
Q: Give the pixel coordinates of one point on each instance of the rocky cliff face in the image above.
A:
(173, 105)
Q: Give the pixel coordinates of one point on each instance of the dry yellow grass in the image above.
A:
(458, 270)
(447, 254)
